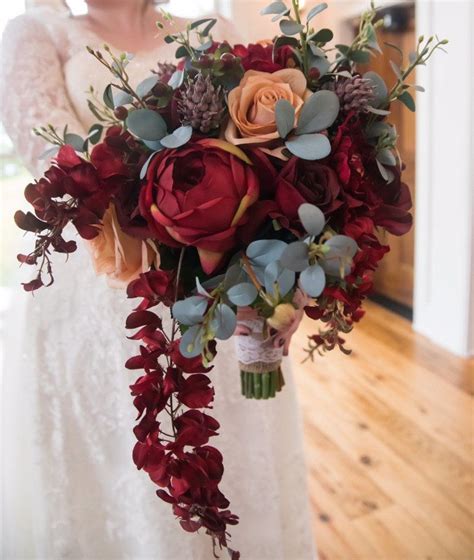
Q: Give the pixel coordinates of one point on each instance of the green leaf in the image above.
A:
(309, 146)
(407, 99)
(264, 251)
(205, 32)
(344, 49)
(289, 27)
(145, 86)
(181, 52)
(177, 79)
(276, 274)
(380, 89)
(95, 132)
(386, 157)
(322, 36)
(285, 117)
(190, 311)
(274, 8)
(296, 256)
(319, 112)
(178, 138)
(242, 294)
(313, 280)
(170, 39)
(396, 69)
(191, 345)
(199, 22)
(360, 57)
(108, 97)
(386, 173)
(223, 322)
(315, 11)
(312, 218)
(74, 140)
(144, 169)
(146, 124)
(121, 97)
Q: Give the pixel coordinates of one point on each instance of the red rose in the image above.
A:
(306, 181)
(199, 195)
(260, 57)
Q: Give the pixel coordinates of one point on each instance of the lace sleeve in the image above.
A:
(32, 88)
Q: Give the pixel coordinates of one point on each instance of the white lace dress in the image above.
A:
(71, 489)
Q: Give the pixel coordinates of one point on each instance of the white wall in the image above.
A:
(444, 263)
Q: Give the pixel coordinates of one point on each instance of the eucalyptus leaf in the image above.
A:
(178, 138)
(205, 46)
(74, 140)
(274, 8)
(386, 173)
(176, 80)
(285, 117)
(313, 280)
(121, 97)
(315, 11)
(108, 97)
(341, 251)
(407, 99)
(381, 112)
(312, 218)
(242, 294)
(309, 146)
(276, 274)
(396, 69)
(144, 169)
(146, 85)
(223, 322)
(263, 251)
(190, 311)
(154, 145)
(290, 27)
(296, 256)
(191, 345)
(386, 157)
(199, 22)
(319, 112)
(95, 132)
(380, 89)
(146, 124)
(201, 290)
(419, 88)
(321, 63)
(360, 57)
(234, 275)
(49, 153)
(322, 36)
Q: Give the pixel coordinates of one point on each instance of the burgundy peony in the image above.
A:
(306, 181)
(200, 196)
(259, 56)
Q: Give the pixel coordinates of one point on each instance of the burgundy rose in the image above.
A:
(200, 196)
(260, 57)
(395, 202)
(303, 181)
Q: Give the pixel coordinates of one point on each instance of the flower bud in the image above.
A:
(283, 316)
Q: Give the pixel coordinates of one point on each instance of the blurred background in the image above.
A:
(389, 429)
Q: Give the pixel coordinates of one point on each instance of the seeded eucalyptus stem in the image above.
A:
(303, 36)
(422, 56)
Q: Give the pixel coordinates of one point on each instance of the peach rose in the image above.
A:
(114, 253)
(252, 104)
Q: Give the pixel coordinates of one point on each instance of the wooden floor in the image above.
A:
(389, 441)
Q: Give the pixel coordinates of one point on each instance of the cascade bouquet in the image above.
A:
(235, 191)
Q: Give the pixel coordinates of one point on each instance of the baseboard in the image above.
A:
(392, 305)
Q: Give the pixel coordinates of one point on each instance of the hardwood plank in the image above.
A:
(342, 478)
(389, 415)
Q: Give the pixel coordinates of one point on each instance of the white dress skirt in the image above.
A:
(70, 487)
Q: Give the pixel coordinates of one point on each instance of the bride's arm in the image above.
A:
(32, 88)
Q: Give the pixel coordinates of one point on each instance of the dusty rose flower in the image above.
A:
(114, 253)
(252, 104)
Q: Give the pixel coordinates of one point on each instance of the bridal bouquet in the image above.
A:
(240, 187)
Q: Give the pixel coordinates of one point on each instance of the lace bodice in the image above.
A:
(48, 81)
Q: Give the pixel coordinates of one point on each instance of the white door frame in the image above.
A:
(444, 235)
